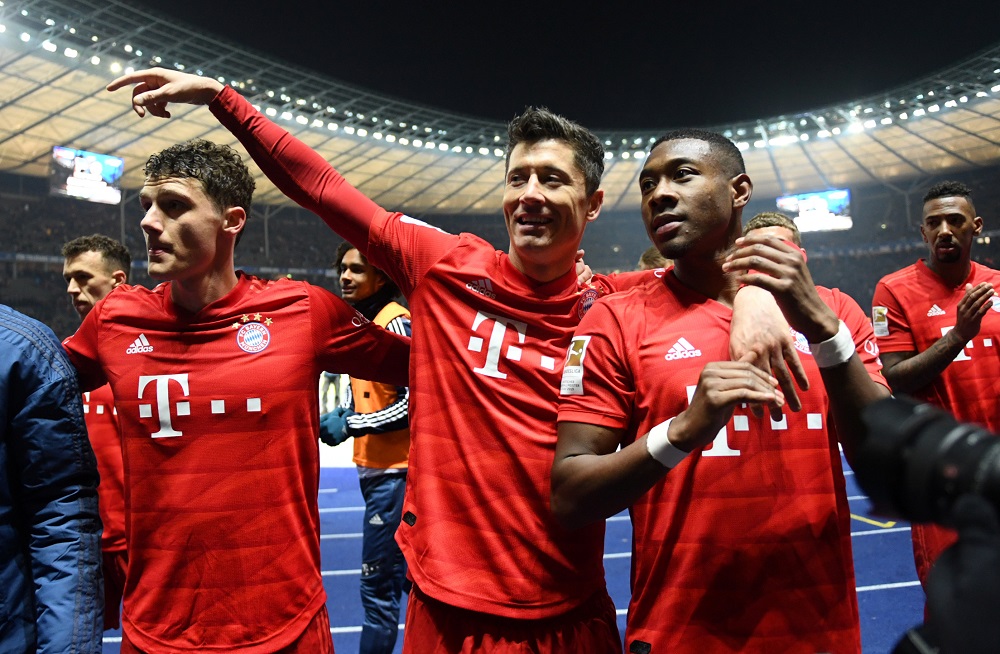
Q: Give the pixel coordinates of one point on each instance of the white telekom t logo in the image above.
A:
(491, 367)
(163, 402)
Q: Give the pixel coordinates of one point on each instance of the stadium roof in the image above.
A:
(57, 55)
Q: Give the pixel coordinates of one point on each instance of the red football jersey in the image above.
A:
(913, 308)
(487, 353)
(219, 416)
(102, 427)
(745, 545)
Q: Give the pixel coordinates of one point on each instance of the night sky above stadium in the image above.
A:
(668, 64)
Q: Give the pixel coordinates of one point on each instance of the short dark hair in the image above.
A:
(950, 189)
(114, 254)
(651, 258)
(226, 179)
(773, 219)
(729, 157)
(346, 247)
(537, 124)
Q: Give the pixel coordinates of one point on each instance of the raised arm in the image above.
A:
(299, 172)
(781, 270)
(910, 371)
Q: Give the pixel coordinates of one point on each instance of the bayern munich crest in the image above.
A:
(587, 299)
(253, 337)
(801, 344)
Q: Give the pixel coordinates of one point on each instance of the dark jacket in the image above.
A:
(51, 593)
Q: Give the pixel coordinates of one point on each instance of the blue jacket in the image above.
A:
(51, 591)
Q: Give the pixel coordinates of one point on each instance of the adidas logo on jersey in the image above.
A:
(140, 346)
(482, 286)
(935, 311)
(682, 349)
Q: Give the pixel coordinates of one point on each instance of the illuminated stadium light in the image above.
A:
(49, 22)
(95, 60)
(417, 143)
(933, 108)
(3, 28)
(886, 121)
(484, 150)
(348, 129)
(377, 136)
(803, 137)
(115, 67)
(743, 146)
(271, 111)
(427, 129)
(996, 88)
(980, 94)
(270, 94)
(963, 99)
(286, 115)
(468, 149)
(607, 143)
(25, 37)
(903, 116)
(129, 70)
(917, 113)
(625, 155)
(300, 102)
(759, 144)
(72, 30)
(835, 131)
(94, 39)
(127, 48)
(950, 104)
(158, 60)
(362, 132)
(179, 66)
(71, 53)
(784, 139)
(391, 138)
(496, 138)
(854, 128)
(443, 147)
(302, 120)
(429, 145)
(608, 156)
(498, 152)
(823, 134)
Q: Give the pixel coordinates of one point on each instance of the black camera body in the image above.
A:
(916, 461)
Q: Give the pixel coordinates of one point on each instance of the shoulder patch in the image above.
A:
(880, 321)
(572, 377)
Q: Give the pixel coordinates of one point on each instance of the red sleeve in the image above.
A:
(597, 384)
(891, 326)
(82, 350)
(346, 342)
(307, 178)
(861, 331)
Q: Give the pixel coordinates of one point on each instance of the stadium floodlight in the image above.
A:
(25, 37)
(933, 108)
(823, 134)
(625, 155)
(3, 28)
(917, 113)
(49, 22)
(362, 132)
(271, 111)
(498, 152)
(417, 143)
(348, 129)
(886, 121)
(115, 67)
(391, 138)
(127, 47)
(484, 151)
(48, 46)
(301, 120)
(869, 124)
(286, 115)
(71, 53)
(95, 60)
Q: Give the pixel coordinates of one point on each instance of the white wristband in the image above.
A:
(835, 350)
(659, 447)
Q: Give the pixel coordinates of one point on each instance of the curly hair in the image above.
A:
(950, 189)
(114, 255)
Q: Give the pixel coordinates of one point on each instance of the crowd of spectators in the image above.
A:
(286, 240)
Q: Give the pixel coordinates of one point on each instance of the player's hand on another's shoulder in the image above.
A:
(721, 387)
(972, 308)
(154, 88)
(777, 266)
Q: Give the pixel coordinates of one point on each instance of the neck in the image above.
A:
(542, 271)
(702, 271)
(953, 274)
(195, 294)
(371, 305)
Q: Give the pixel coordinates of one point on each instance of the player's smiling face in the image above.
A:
(359, 280)
(183, 228)
(949, 225)
(546, 206)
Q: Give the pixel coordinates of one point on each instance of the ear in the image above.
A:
(234, 219)
(923, 234)
(119, 278)
(594, 205)
(978, 226)
(742, 189)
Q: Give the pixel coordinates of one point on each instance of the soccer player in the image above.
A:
(376, 416)
(741, 527)
(50, 562)
(777, 224)
(492, 569)
(93, 266)
(214, 378)
(938, 328)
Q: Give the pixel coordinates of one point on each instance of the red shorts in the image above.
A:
(114, 564)
(315, 639)
(432, 626)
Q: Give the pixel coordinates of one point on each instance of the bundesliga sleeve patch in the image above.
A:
(880, 321)
(572, 377)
